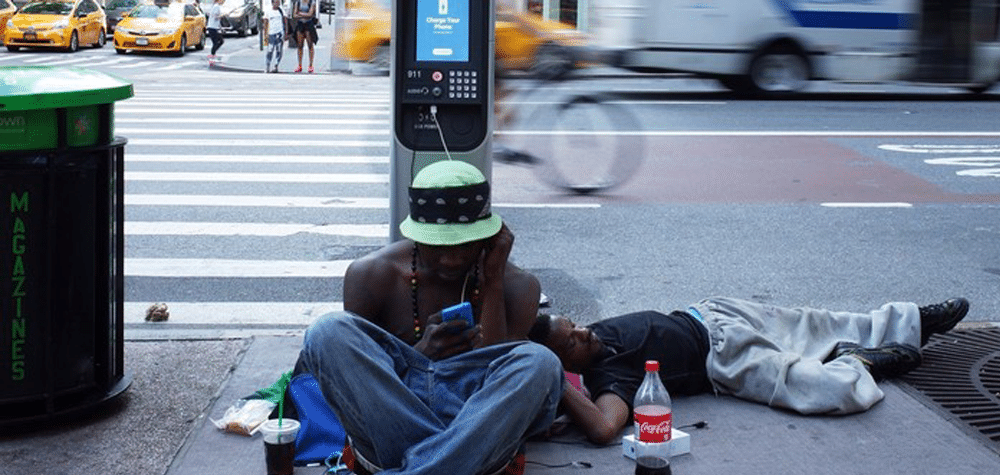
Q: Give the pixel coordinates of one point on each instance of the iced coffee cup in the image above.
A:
(279, 445)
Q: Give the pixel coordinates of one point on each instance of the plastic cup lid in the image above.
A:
(272, 434)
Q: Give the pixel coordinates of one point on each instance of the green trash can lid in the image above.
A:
(52, 87)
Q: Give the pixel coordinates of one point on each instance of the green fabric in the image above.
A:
(275, 392)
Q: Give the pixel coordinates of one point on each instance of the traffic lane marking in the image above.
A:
(776, 169)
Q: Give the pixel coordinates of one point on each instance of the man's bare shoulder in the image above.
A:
(522, 291)
(519, 279)
(380, 264)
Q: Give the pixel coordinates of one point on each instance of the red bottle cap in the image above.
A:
(653, 365)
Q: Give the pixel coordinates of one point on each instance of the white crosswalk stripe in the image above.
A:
(281, 109)
(101, 59)
(168, 228)
(138, 64)
(66, 62)
(259, 177)
(179, 65)
(254, 131)
(315, 159)
(37, 60)
(188, 268)
(109, 61)
(244, 120)
(278, 141)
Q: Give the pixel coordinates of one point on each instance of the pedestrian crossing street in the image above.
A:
(105, 59)
(246, 206)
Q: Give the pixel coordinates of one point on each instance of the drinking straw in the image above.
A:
(281, 412)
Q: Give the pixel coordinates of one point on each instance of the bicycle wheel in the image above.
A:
(585, 144)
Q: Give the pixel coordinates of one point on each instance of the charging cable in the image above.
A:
(696, 425)
(434, 111)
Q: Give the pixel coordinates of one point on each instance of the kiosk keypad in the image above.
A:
(463, 84)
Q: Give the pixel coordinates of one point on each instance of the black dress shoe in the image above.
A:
(941, 317)
(887, 361)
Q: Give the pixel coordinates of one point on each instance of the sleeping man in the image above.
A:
(811, 361)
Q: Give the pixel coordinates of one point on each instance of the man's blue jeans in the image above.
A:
(463, 415)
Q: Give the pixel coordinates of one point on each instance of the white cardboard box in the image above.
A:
(680, 444)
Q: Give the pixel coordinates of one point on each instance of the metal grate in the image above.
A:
(961, 374)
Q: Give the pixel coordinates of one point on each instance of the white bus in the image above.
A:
(778, 46)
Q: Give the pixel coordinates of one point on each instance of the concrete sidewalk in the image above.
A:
(185, 376)
(899, 435)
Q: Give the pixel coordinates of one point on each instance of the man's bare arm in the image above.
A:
(493, 314)
(602, 420)
(361, 277)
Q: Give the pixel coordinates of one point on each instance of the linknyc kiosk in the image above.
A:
(442, 97)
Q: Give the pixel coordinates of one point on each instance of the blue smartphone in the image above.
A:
(462, 311)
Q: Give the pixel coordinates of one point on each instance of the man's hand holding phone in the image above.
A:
(450, 332)
(460, 312)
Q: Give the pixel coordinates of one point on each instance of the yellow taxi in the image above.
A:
(526, 41)
(161, 26)
(523, 40)
(7, 10)
(65, 24)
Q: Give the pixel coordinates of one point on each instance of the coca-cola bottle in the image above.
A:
(653, 420)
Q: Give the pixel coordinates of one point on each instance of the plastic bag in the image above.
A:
(244, 416)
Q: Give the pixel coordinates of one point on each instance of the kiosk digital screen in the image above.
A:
(443, 30)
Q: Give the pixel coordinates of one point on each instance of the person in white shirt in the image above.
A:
(274, 26)
(214, 27)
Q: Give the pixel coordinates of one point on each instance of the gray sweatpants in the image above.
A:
(775, 355)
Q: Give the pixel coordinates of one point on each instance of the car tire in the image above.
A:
(74, 42)
(182, 46)
(735, 83)
(244, 28)
(101, 39)
(779, 70)
(201, 43)
(13, 49)
(120, 50)
(980, 88)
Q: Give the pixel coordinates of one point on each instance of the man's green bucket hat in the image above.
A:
(450, 205)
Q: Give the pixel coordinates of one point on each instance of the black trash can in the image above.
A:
(61, 242)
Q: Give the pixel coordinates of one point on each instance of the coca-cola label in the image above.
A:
(653, 428)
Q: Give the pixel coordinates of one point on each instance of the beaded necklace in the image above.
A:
(418, 331)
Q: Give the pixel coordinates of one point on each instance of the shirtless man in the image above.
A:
(418, 395)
